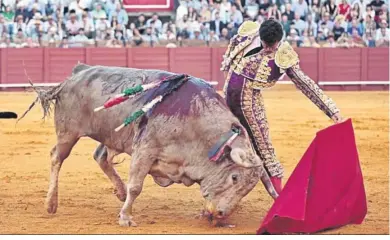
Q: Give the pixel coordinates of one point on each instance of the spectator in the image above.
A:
(224, 35)
(293, 38)
(19, 24)
(137, 39)
(169, 35)
(369, 11)
(192, 14)
(311, 42)
(52, 36)
(79, 40)
(344, 9)
(64, 43)
(9, 15)
(38, 5)
(50, 8)
(217, 25)
(236, 15)
(376, 6)
(338, 30)
(181, 11)
(140, 24)
(311, 26)
(331, 8)
(357, 39)
(149, 38)
(300, 7)
(289, 13)
(384, 14)
(156, 23)
(120, 13)
(111, 6)
(6, 42)
(2, 6)
(263, 8)
(299, 23)
(76, 6)
(198, 35)
(355, 25)
(232, 29)
(3, 26)
(315, 13)
(370, 28)
(20, 37)
(331, 43)
(183, 24)
(73, 25)
(49, 24)
(251, 8)
(206, 14)
(212, 37)
(195, 4)
(102, 27)
(382, 34)
(87, 25)
(273, 12)
(98, 12)
(286, 25)
(357, 11)
(22, 10)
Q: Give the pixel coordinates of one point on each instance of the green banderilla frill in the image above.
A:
(134, 117)
(133, 90)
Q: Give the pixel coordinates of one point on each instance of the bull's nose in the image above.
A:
(220, 214)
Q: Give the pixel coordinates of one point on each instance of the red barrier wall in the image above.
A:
(52, 65)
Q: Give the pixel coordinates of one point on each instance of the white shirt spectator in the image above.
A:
(300, 7)
(181, 11)
(110, 5)
(379, 34)
(77, 7)
(73, 26)
(225, 11)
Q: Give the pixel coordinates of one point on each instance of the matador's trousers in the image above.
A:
(247, 105)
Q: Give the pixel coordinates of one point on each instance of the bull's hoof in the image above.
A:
(126, 221)
(52, 209)
(52, 206)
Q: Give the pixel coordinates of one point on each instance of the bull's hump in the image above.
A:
(179, 102)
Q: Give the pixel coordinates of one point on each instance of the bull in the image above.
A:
(171, 142)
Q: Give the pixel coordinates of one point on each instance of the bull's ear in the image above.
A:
(241, 158)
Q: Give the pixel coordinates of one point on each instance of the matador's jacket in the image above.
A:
(248, 74)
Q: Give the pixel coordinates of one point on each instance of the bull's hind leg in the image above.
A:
(104, 156)
(58, 154)
(139, 168)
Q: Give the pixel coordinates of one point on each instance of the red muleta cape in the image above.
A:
(325, 190)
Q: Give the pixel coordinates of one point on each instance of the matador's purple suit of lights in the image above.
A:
(249, 69)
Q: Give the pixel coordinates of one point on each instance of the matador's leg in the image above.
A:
(254, 112)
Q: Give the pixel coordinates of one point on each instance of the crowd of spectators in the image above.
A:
(79, 23)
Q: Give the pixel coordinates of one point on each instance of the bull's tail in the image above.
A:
(46, 98)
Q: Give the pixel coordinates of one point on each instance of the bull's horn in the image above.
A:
(268, 185)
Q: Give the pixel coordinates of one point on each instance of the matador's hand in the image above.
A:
(337, 118)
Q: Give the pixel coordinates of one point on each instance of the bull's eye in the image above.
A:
(234, 178)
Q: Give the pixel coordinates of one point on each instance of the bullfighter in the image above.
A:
(255, 59)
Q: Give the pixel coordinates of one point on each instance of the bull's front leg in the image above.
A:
(140, 167)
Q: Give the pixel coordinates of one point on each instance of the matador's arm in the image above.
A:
(287, 59)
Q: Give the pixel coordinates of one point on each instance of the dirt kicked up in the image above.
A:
(87, 203)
